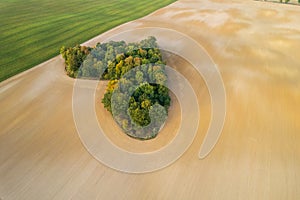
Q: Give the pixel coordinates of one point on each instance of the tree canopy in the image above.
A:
(74, 56)
(136, 93)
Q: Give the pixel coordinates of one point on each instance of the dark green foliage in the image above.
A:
(140, 105)
(285, 1)
(136, 94)
(106, 100)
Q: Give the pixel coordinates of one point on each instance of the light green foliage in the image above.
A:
(140, 87)
(74, 57)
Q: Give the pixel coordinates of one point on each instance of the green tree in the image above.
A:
(149, 100)
(74, 57)
(158, 116)
(139, 77)
(107, 100)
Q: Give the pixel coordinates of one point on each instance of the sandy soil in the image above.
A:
(256, 47)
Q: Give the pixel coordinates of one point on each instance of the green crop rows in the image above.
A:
(33, 31)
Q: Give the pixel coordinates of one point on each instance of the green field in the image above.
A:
(33, 31)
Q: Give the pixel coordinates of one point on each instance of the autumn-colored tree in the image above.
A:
(136, 93)
(74, 57)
